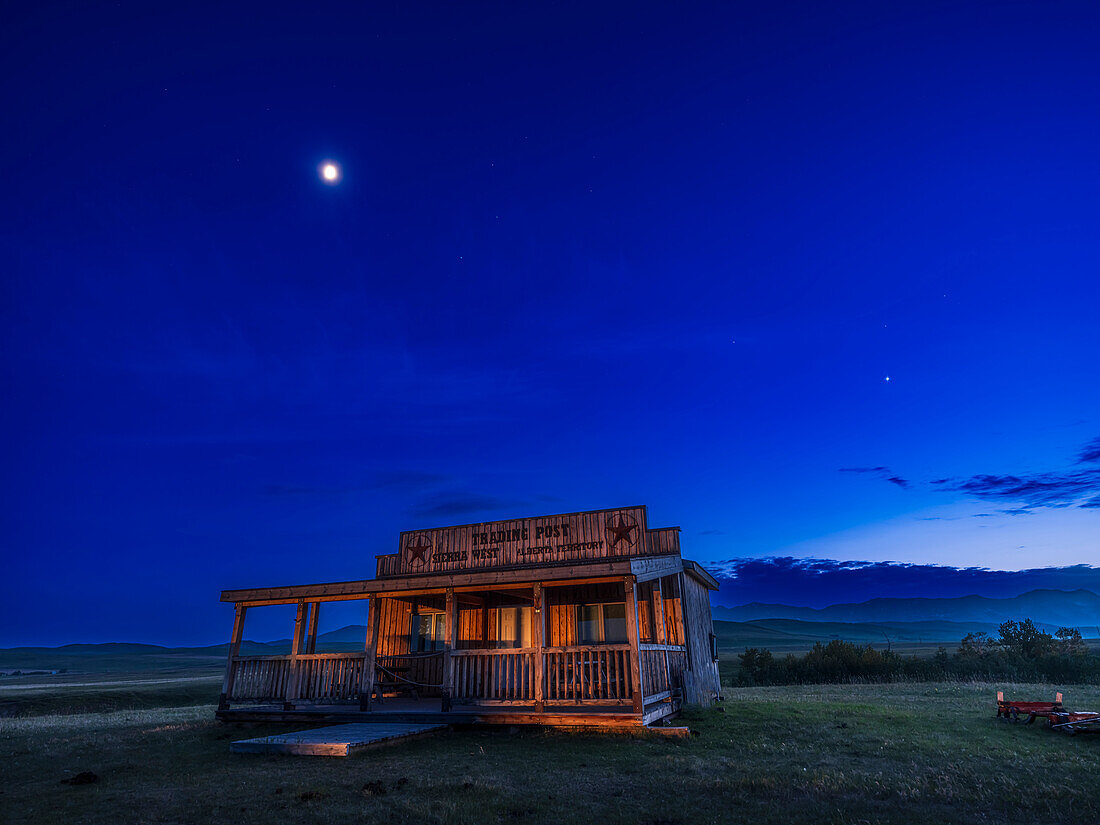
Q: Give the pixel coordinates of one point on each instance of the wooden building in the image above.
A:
(581, 618)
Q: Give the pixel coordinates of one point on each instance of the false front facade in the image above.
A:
(580, 618)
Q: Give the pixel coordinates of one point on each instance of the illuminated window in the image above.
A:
(601, 624)
(427, 632)
(513, 627)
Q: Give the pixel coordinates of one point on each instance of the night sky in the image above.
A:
(810, 280)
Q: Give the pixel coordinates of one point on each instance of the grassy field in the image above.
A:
(906, 753)
(96, 693)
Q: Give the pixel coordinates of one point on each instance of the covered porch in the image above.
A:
(599, 644)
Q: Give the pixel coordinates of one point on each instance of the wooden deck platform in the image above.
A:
(427, 711)
(335, 740)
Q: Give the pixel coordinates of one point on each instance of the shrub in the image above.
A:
(1021, 653)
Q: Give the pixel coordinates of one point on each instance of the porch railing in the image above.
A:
(330, 677)
(258, 678)
(662, 668)
(581, 673)
(494, 675)
(314, 677)
(419, 673)
(571, 675)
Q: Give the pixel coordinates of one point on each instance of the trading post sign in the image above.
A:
(532, 541)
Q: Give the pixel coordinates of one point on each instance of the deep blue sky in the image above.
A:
(581, 256)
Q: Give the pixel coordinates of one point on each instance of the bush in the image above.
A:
(1021, 653)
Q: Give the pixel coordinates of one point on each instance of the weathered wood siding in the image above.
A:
(394, 635)
(663, 541)
(703, 686)
(645, 612)
(674, 611)
(672, 615)
(394, 626)
(598, 534)
(561, 608)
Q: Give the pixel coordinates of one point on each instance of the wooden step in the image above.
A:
(335, 740)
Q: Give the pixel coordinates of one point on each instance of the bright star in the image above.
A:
(887, 377)
(329, 171)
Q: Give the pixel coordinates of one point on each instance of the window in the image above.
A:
(513, 627)
(614, 623)
(589, 624)
(427, 632)
(601, 623)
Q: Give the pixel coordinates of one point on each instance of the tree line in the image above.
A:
(1020, 652)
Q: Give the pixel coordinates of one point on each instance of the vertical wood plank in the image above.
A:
(311, 633)
(448, 645)
(366, 692)
(292, 691)
(538, 622)
(659, 630)
(635, 644)
(234, 650)
(683, 629)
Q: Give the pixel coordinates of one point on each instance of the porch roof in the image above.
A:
(643, 568)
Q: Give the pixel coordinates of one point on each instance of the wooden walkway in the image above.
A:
(335, 740)
(427, 711)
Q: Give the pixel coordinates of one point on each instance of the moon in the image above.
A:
(330, 172)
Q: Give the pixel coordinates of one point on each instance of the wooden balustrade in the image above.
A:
(662, 668)
(419, 673)
(494, 675)
(329, 677)
(677, 664)
(574, 674)
(258, 678)
(317, 677)
(586, 673)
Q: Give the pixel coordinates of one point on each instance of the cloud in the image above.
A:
(1090, 452)
(1055, 489)
(880, 472)
(813, 582)
(1074, 487)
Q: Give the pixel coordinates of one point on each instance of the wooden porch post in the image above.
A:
(295, 649)
(366, 691)
(660, 635)
(311, 632)
(448, 645)
(635, 643)
(234, 649)
(538, 623)
(683, 628)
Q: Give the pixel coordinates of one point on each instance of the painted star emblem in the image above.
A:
(418, 551)
(623, 531)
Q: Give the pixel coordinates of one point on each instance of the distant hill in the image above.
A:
(904, 623)
(795, 635)
(1069, 608)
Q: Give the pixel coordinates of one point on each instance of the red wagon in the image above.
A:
(1011, 710)
(1080, 721)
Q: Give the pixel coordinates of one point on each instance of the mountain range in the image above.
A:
(1068, 608)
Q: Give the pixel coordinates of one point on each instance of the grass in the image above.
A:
(905, 753)
(97, 693)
